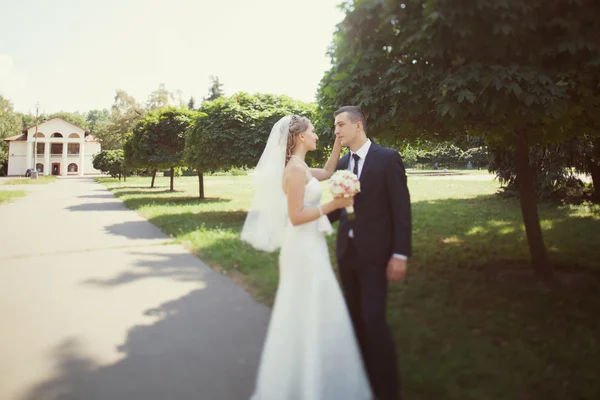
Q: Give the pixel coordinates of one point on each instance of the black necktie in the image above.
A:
(356, 158)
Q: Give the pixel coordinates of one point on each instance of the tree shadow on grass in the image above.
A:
(183, 223)
(204, 345)
(488, 230)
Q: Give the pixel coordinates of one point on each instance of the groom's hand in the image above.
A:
(396, 269)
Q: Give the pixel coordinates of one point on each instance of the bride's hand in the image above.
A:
(342, 202)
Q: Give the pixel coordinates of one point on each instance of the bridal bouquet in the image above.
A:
(344, 183)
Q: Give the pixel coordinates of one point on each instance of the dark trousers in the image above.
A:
(365, 290)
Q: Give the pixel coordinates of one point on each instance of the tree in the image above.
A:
(160, 98)
(158, 140)
(518, 73)
(478, 156)
(191, 104)
(232, 132)
(125, 113)
(96, 117)
(10, 125)
(76, 118)
(555, 166)
(216, 89)
(110, 161)
(79, 119)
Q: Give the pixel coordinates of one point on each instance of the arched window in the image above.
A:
(74, 135)
(39, 167)
(39, 134)
(72, 167)
(56, 134)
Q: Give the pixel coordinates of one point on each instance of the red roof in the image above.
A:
(21, 138)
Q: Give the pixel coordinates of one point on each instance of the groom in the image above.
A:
(372, 249)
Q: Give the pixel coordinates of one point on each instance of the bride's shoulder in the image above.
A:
(295, 172)
(293, 169)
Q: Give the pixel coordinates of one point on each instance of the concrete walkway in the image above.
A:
(97, 303)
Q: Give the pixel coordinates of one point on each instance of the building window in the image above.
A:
(39, 167)
(73, 148)
(72, 167)
(40, 148)
(39, 134)
(56, 134)
(56, 148)
(74, 136)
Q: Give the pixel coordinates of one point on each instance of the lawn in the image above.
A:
(468, 321)
(8, 195)
(28, 181)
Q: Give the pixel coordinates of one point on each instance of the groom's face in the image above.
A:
(345, 129)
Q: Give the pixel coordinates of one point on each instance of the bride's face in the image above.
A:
(309, 138)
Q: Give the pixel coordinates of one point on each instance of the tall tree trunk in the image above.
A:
(201, 183)
(595, 172)
(537, 248)
(124, 176)
(153, 178)
(119, 177)
(172, 177)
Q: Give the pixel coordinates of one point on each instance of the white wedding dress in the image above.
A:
(310, 352)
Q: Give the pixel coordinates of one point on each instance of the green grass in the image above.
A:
(28, 181)
(461, 331)
(8, 195)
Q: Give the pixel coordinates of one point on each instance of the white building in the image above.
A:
(62, 149)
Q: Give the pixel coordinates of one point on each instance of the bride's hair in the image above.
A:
(297, 126)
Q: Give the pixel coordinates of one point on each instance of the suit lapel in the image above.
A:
(369, 160)
(344, 161)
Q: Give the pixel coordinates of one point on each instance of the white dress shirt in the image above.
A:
(362, 153)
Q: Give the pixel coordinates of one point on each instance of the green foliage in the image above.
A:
(27, 120)
(158, 140)
(95, 119)
(79, 119)
(125, 113)
(110, 161)
(520, 74)
(177, 172)
(10, 125)
(232, 131)
(554, 166)
(162, 136)
(478, 157)
(216, 89)
(191, 104)
(76, 118)
(445, 155)
(160, 98)
(436, 68)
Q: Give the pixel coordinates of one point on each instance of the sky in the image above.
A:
(72, 55)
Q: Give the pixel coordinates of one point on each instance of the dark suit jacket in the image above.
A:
(382, 224)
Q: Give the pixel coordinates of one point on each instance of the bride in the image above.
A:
(310, 352)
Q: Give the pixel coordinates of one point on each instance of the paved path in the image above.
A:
(96, 303)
